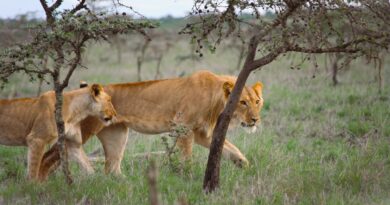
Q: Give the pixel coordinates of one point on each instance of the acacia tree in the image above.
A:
(304, 26)
(61, 39)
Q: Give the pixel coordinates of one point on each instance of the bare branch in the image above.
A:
(55, 5)
(79, 6)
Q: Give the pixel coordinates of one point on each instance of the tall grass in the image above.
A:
(318, 144)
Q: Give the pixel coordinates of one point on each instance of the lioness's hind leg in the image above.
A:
(114, 139)
(36, 148)
(50, 162)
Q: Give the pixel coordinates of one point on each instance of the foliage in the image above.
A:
(61, 40)
(307, 156)
(71, 32)
(359, 28)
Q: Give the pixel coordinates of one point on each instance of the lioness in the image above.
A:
(151, 107)
(31, 122)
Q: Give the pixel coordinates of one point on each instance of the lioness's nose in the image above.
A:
(107, 118)
(255, 120)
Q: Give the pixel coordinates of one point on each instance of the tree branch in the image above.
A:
(79, 6)
(55, 5)
(343, 48)
(48, 12)
(267, 58)
(73, 65)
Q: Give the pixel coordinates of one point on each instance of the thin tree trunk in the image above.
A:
(139, 64)
(380, 79)
(158, 73)
(334, 72)
(118, 50)
(240, 57)
(152, 180)
(58, 88)
(61, 134)
(40, 87)
(44, 65)
(211, 178)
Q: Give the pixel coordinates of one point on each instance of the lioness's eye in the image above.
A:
(243, 102)
(257, 101)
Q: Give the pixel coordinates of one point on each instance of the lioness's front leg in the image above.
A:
(185, 145)
(76, 153)
(229, 150)
(114, 139)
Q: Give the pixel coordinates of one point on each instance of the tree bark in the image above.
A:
(158, 72)
(61, 133)
(139, 64)
(152, 180)
(240, 57)
(58, 88)
(334, 71)
(380, 74)
(211, 178)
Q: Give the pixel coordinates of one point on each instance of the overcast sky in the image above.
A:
(149, 8)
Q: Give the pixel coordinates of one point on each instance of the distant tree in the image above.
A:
(62, 39)
(303, 26)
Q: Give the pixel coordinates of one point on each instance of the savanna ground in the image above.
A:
(318, 144)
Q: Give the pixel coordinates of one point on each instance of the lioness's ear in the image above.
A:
(96, 89)
(227, 88)
(83, 84)
(257, 87)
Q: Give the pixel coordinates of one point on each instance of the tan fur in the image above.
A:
(31, 122)
(152, 107)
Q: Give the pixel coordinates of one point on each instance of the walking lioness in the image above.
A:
(30, 122)
(152, 107)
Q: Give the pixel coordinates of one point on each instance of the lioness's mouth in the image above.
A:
(243, 124)
(107, 120)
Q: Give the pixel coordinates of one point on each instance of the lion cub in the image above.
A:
(31, 122)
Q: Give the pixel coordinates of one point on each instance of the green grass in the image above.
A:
(318, 144)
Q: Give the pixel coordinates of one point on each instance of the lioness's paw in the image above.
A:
(242, 163)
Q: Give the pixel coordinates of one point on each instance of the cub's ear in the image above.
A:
(258, 87)
(227, 88)
(96, 89)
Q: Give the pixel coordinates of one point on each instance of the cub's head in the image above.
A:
(101, 105)
(248, 109)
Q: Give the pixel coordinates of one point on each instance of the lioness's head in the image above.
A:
(101, 105)
(248, 109)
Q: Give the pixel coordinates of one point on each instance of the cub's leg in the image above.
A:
(114, 139)
(229, 150)
(36, 148)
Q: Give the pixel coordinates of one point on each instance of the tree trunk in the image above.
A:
(58, 88)
(211, 178)
(139, 64)
(61, 132)
(334, 72)
(380, 79)
(118, 49)
(152, 180)
(44, 66)
(158, 73)
(240, 57)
